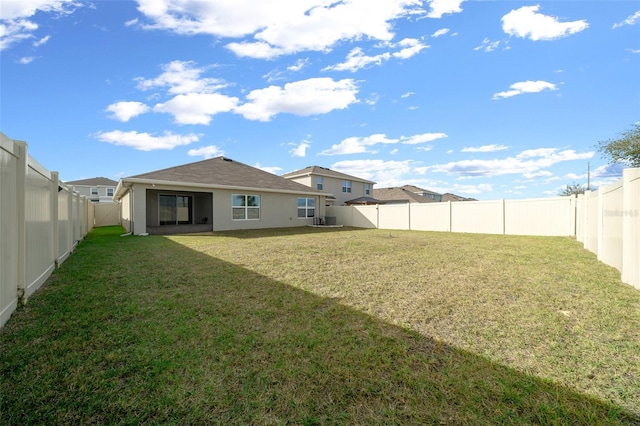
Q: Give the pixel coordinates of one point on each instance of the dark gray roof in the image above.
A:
(103, 181)
(323, 171)
(397, 195)
(223, 171)
(364, 200)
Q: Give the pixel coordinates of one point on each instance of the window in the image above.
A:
(94, 191)
(320, 182)
(306, 207)
(346, 186)
(109, 192)
(367, 189)
(175, 209)
(245, 207)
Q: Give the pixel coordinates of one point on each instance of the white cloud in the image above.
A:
(488, 45)
(300, 63)
(300, 150)
(406, 95)
(384, 173)
(182, 77)
(131, 22)
(443, 7)
(206, 152)
(26, 60)
(527, 162)
(357, 145)
(14, 18)
(526, 22)
(538, 174)
(124, 111)
(440, 32)
(422, 138)
(196, 108)
(631, 20)
(471, 189)
(270, 169)
(634, 50)
(356, 59)
(42, 41)
(525, 87)
(302, 98)
(279, 27)
(146, 141)
(485, 148)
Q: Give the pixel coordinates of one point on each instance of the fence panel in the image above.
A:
(39, 224)
(393, 216)
(431, 216)
(357, 216)
(543, 216)
(40, 252)
(610, 224)
(631, 228)
(480, 217)
(10, 157)
(591, 219)
(106, 214)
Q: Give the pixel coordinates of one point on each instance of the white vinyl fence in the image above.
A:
(607, 222)
(41, 221)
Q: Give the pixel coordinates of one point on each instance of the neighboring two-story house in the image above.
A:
(98, 190)
(346, 189)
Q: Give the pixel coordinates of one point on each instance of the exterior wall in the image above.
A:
(126, 216)
(334, 187)
(102, 196)
(40, 223)
(277, 210)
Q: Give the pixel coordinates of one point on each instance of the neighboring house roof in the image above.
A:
(364, 200)
(221, 172)
(399, 195)
(102, 181)
(323, 171)
(415, 189)
(453, 197)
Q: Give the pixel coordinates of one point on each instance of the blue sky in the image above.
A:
(486, 99)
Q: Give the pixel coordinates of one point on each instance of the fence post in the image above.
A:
(21, 200)
(450, 217)
(504, 218)
(55, 182)
(631, 227)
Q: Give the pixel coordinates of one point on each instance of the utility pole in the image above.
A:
(588, 175)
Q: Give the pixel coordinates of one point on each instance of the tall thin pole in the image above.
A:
(588, 175)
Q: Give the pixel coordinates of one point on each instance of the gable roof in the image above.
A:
(414, 188)
(453, 197)
(103, 181)
(222, 172)
(399, 195)
(323, 171)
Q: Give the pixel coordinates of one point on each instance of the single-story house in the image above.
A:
(218, 194)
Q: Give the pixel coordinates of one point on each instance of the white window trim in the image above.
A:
(306, 207)
(246, 208)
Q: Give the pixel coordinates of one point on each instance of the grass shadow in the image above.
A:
(144, 330)
(275, 232)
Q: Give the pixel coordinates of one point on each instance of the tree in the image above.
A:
(625, 149)
(573, 189)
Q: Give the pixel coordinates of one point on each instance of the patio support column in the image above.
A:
(139, 210)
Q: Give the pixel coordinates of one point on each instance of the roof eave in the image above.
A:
(214, 186)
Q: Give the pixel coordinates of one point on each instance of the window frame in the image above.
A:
(367, 189)
(320, 183)
(244, 207)
(306, 208)
(346, 186)
(112, 190)
(91, 191)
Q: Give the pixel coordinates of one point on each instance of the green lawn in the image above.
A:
(325, 326)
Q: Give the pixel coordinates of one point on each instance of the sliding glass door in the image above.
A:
(176, 209)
